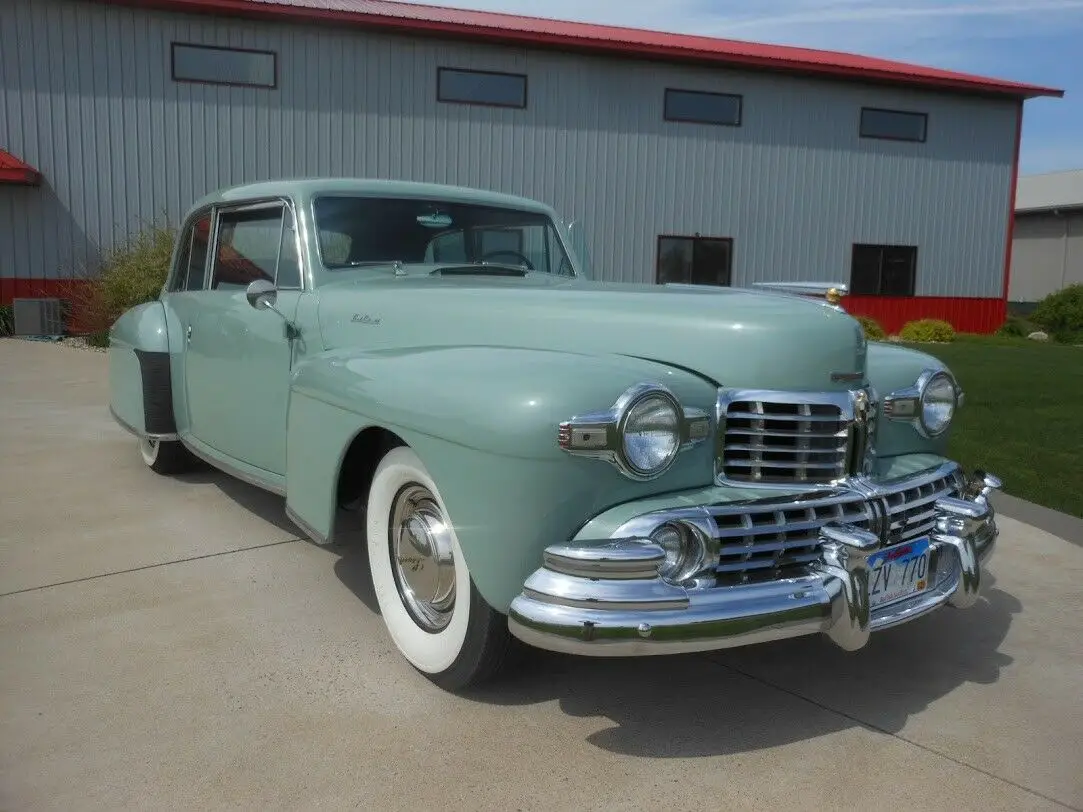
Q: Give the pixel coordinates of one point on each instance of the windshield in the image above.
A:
(356, 231)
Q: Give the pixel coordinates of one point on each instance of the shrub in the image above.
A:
(7, 320)
(1061, 314)
(129, 275)
(927, 330)
(1016, 327)
(872, 329)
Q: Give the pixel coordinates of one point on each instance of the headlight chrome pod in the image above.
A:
(642, 434)
(930, 404)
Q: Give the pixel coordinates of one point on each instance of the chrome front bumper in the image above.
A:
(609, 600)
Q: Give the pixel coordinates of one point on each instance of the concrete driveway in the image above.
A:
(173, 644)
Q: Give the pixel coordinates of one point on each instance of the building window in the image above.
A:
(695, 260)
(703, 108)
(480, 87)
(893, 125)
(883, 270)
(223, 66)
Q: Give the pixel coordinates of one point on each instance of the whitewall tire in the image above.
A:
(165, 456)
(430, 606)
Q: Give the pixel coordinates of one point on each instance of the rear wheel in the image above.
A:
(433, 612)
(165, 456)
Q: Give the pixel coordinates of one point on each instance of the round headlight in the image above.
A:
(684, 552)
(938, 400)
(651, 434)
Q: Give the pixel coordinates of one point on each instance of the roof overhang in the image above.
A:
(13, 170)
(508, 29)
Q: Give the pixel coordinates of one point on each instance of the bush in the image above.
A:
(7, 320)
(1016, 327)
(872, 329)
(129, 275)
(1061, 314)
(927, 330)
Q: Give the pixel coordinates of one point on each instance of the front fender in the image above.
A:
(891, 368)
(484, 422)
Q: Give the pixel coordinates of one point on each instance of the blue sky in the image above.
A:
(1035, 41)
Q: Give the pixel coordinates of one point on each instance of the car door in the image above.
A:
(237, 370)
(185, 292)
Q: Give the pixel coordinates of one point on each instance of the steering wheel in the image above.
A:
(510, 252)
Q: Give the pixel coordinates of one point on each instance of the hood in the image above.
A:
(731, 337)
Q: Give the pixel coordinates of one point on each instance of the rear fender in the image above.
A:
(484, 422)
(140, 388)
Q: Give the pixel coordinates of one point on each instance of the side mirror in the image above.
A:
(262, 294)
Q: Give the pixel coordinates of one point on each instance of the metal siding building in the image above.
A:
(1047, 242)
(793, 186)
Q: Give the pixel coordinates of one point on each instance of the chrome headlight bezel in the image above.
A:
(909, 405)
(602, 435)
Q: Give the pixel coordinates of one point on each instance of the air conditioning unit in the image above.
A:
(38, 317)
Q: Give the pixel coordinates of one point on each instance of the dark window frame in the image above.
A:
(447, 69)
(693, 238)
(882, 248)
(738, 96)
(924, 125)
(262, 85)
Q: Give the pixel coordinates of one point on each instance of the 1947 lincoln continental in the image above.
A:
(598, 469)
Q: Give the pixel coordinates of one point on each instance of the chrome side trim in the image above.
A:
(140, 434)
(306, 528)
(233, 471)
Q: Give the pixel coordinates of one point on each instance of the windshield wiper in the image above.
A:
(483, 269)
(372, 263)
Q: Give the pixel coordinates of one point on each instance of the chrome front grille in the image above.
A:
(780, 538)
(792, 438)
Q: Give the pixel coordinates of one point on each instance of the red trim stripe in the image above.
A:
(964, 314)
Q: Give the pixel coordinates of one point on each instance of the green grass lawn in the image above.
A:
(1023, 415)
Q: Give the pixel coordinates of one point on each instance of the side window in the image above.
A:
(248, 246)
(192, 257)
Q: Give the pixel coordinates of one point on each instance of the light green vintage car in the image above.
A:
(592, 468)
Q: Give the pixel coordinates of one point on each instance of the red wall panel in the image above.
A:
(965, 315)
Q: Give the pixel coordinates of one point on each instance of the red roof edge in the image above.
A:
(525, 31)
(12, 170)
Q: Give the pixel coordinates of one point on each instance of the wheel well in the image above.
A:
(364, 454)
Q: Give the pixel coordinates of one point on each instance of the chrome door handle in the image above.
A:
(189, 334)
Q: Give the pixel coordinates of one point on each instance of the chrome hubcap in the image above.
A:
(421, 558)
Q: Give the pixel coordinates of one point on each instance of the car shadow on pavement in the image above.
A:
(770, 694)
(269, 507)
(732, 701)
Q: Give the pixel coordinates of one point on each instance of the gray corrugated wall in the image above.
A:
(1047, 254)
(87, 98)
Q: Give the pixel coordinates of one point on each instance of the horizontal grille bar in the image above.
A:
(784, 441)
(780, 539)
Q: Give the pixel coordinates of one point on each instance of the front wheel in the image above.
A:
(435, 615)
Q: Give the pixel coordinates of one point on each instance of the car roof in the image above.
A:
(306, 188)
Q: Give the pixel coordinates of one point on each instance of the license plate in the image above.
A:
(898, 572)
